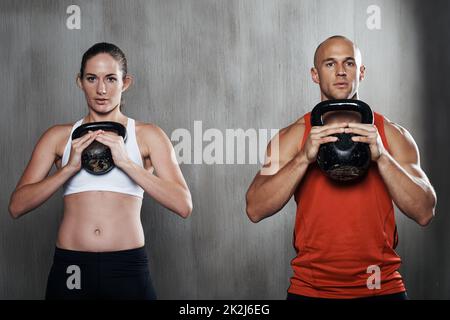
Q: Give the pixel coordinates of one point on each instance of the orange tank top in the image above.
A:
(343, 233)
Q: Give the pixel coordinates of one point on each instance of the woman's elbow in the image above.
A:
(186, 210)
(14, 211)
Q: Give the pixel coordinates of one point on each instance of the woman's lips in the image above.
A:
(101, 101)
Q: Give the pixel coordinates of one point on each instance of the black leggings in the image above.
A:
(100, 275)
(389, 297)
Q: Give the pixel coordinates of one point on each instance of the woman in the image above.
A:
(100, 251)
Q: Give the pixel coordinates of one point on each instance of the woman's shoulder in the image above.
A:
(151, 136)
(148, 129)
(59, 130)
(58, 135)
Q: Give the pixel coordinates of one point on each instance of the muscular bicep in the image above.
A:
(41, 160)
(282, 149)
(162, 156)
(404, 150)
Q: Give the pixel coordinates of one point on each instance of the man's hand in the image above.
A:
(317, 137)
(368, 133)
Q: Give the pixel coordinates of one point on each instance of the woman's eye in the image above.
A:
(90, 79)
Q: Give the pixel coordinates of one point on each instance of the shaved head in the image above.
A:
(329, 41)
(338, 68)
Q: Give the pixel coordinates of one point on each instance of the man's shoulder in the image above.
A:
(394, 130)
(291, 136)
(399, 139)
(294, 129)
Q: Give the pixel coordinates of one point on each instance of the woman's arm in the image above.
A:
(168, 186)
(35, 186)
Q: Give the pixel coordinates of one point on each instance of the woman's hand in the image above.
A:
(78, 145)
(116, 145)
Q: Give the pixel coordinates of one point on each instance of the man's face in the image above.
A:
(338, 69)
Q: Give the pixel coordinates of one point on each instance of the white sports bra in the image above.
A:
(116, 180)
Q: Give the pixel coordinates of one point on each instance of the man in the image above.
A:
(345, 235)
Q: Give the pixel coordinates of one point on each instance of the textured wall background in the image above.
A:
(231, 64)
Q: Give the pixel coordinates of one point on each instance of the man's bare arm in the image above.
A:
(408, 185)
(276, 183)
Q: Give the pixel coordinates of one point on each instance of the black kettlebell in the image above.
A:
(97, 158)
(343, 160)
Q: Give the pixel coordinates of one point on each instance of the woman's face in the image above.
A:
(103, 83)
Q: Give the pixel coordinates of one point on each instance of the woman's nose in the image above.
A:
(101, 88)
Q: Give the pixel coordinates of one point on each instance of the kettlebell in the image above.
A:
(97, 158)
(343, 160)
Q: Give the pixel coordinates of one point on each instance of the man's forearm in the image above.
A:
(268, 195)
(412, 195)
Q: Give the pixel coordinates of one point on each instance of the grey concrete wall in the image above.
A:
(230, 64)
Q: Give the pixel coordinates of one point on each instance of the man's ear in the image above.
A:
(315, 75)
(78, 81)
(362, 72)
(127, 82)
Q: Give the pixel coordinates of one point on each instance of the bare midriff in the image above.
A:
(101, 221)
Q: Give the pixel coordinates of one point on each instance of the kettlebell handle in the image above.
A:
(102, 125)
(341, 105)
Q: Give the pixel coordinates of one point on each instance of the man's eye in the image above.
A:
(330, 64)
(112, 79)
(350, 64)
